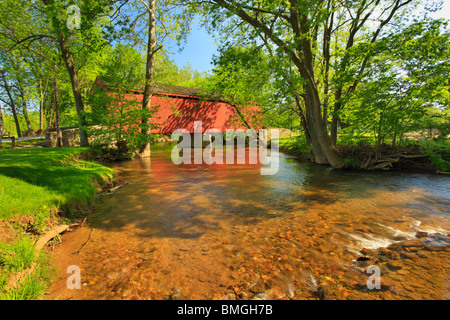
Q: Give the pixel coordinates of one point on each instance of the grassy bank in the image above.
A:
(40, 187)
(356, 151)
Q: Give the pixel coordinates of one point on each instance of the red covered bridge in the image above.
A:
(178, 108)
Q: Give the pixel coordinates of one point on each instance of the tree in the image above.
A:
(292, 29)
(2, 125)
(404, 85)
(173, 22)
(28, 65)
(85, 38)
(116, 113)
(167, 72)
(11, 103)
(242, 77)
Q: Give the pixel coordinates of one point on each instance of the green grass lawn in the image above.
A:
(22, 143)
(35, 178)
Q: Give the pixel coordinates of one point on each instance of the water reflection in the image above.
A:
(205, 231)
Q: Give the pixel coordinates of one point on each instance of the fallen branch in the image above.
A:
(413, 156)
(112, 190)
(387, 159)
(89, 238)
(77, 225)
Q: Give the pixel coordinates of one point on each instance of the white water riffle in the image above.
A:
(369, 241)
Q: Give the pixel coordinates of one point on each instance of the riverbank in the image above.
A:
(41, 188)
(422, 156)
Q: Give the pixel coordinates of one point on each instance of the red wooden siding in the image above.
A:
(179, 107)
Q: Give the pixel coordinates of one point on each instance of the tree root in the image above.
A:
(386, 158)
(41, 242)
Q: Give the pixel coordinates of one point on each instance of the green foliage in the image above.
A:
(242, 76)
(295, 144)
(350, 137)
(350, 162)
(438, 152)
(405, 87)
(18, 255)
(167, 72)
(435, 120)
(10, 126)
(115, 112)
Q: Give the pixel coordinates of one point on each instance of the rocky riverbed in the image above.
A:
(206, 232)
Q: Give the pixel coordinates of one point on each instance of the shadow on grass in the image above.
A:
(58, 170)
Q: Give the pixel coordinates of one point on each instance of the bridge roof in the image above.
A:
(168, 89)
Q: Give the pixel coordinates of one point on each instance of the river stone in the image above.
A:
(280, 287)
(409, 255)
(175, 294)
(390, 254)
(113, 275)
(435, 247)
(395, 247)
(260, 296)
(322, 293)
(228, 296)
(366, 251)
(424, 254)
(421, 234)
(258, 286)
(394, 265)
(415, 243)
(362, 259)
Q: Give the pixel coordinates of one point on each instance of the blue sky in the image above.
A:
(198, 50)
(201, 47)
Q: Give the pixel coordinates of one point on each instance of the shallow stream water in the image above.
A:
(226, 231)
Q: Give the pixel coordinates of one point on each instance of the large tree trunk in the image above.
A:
(67, 56)
(2, 126)
(58, 130)
(310, 134)
(12, 104)
(146, 102)
(303, 58)
(24, 107)
(313, 106)
(335, 116)
(41, 107)
(328, 27)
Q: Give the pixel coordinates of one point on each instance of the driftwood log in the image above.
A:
(112, 190)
